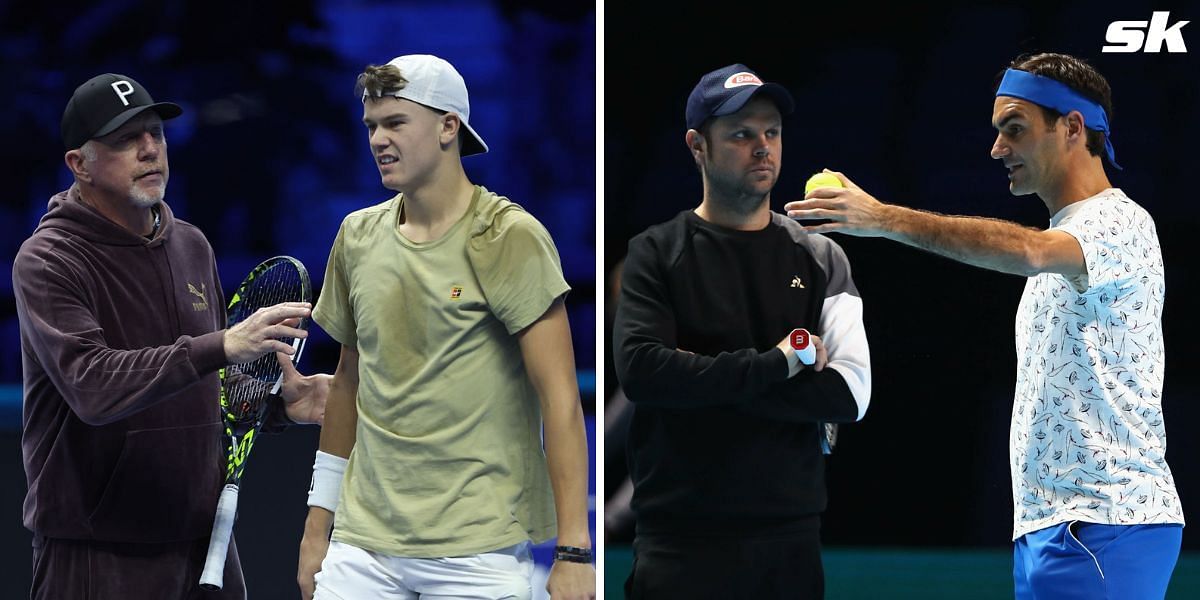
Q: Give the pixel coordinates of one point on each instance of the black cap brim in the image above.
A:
(777, 93)
(166, 110)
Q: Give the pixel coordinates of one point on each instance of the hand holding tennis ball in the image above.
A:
(833, 203)
(821, 180)
(824, 179)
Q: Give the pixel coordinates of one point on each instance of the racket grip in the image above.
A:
(213, 575)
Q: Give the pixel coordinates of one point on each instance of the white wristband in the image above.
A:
(326, 486)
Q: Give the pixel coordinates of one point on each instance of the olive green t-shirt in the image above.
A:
(448, 459)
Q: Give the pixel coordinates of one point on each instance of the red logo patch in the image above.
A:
(743, 78)
(799, 339)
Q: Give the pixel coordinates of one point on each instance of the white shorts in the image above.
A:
(351, 573)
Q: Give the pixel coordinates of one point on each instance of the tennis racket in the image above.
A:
(244, 391)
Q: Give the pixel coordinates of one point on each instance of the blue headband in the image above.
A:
(1054, 94)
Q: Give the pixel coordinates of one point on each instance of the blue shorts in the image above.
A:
(1096, 562)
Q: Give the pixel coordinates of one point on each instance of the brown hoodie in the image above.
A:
(121, 338)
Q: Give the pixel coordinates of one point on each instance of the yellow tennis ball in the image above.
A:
(821, 180)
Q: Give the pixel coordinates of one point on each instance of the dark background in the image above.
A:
(270, 154)
(900, 100)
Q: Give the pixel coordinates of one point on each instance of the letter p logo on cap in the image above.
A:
(123, 88)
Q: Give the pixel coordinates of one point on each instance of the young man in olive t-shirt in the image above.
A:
(448, 302)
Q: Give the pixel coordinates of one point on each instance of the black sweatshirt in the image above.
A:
(722, 441)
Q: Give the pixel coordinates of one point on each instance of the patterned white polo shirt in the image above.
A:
(1087, 440)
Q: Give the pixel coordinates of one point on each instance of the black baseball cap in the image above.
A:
(104, 103)
(726, 90)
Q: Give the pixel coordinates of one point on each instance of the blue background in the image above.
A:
(270, 154)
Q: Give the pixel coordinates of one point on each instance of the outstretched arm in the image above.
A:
(988, 243)
(103, 384)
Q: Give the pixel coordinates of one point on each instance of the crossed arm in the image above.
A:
(654, 372)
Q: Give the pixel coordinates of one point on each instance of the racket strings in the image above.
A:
(252, 381)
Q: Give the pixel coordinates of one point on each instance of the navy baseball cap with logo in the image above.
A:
(726, 90)
(104, 103)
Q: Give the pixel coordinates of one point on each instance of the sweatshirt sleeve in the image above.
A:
(841, 392)
(100, 384)
(650, 367)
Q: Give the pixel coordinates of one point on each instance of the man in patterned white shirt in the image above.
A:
(1096, 514)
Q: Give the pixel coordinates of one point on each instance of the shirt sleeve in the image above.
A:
(334, 311)
(653, 371)
(1109, 234)
(518, 268)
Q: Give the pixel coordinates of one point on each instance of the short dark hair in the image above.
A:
(377, 80)
(1077, 74)
(384, 80)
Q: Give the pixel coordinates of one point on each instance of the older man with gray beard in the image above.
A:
(122, 332)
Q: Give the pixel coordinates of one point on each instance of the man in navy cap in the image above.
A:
(1095, 509)
(726, 440)
(122, 332)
